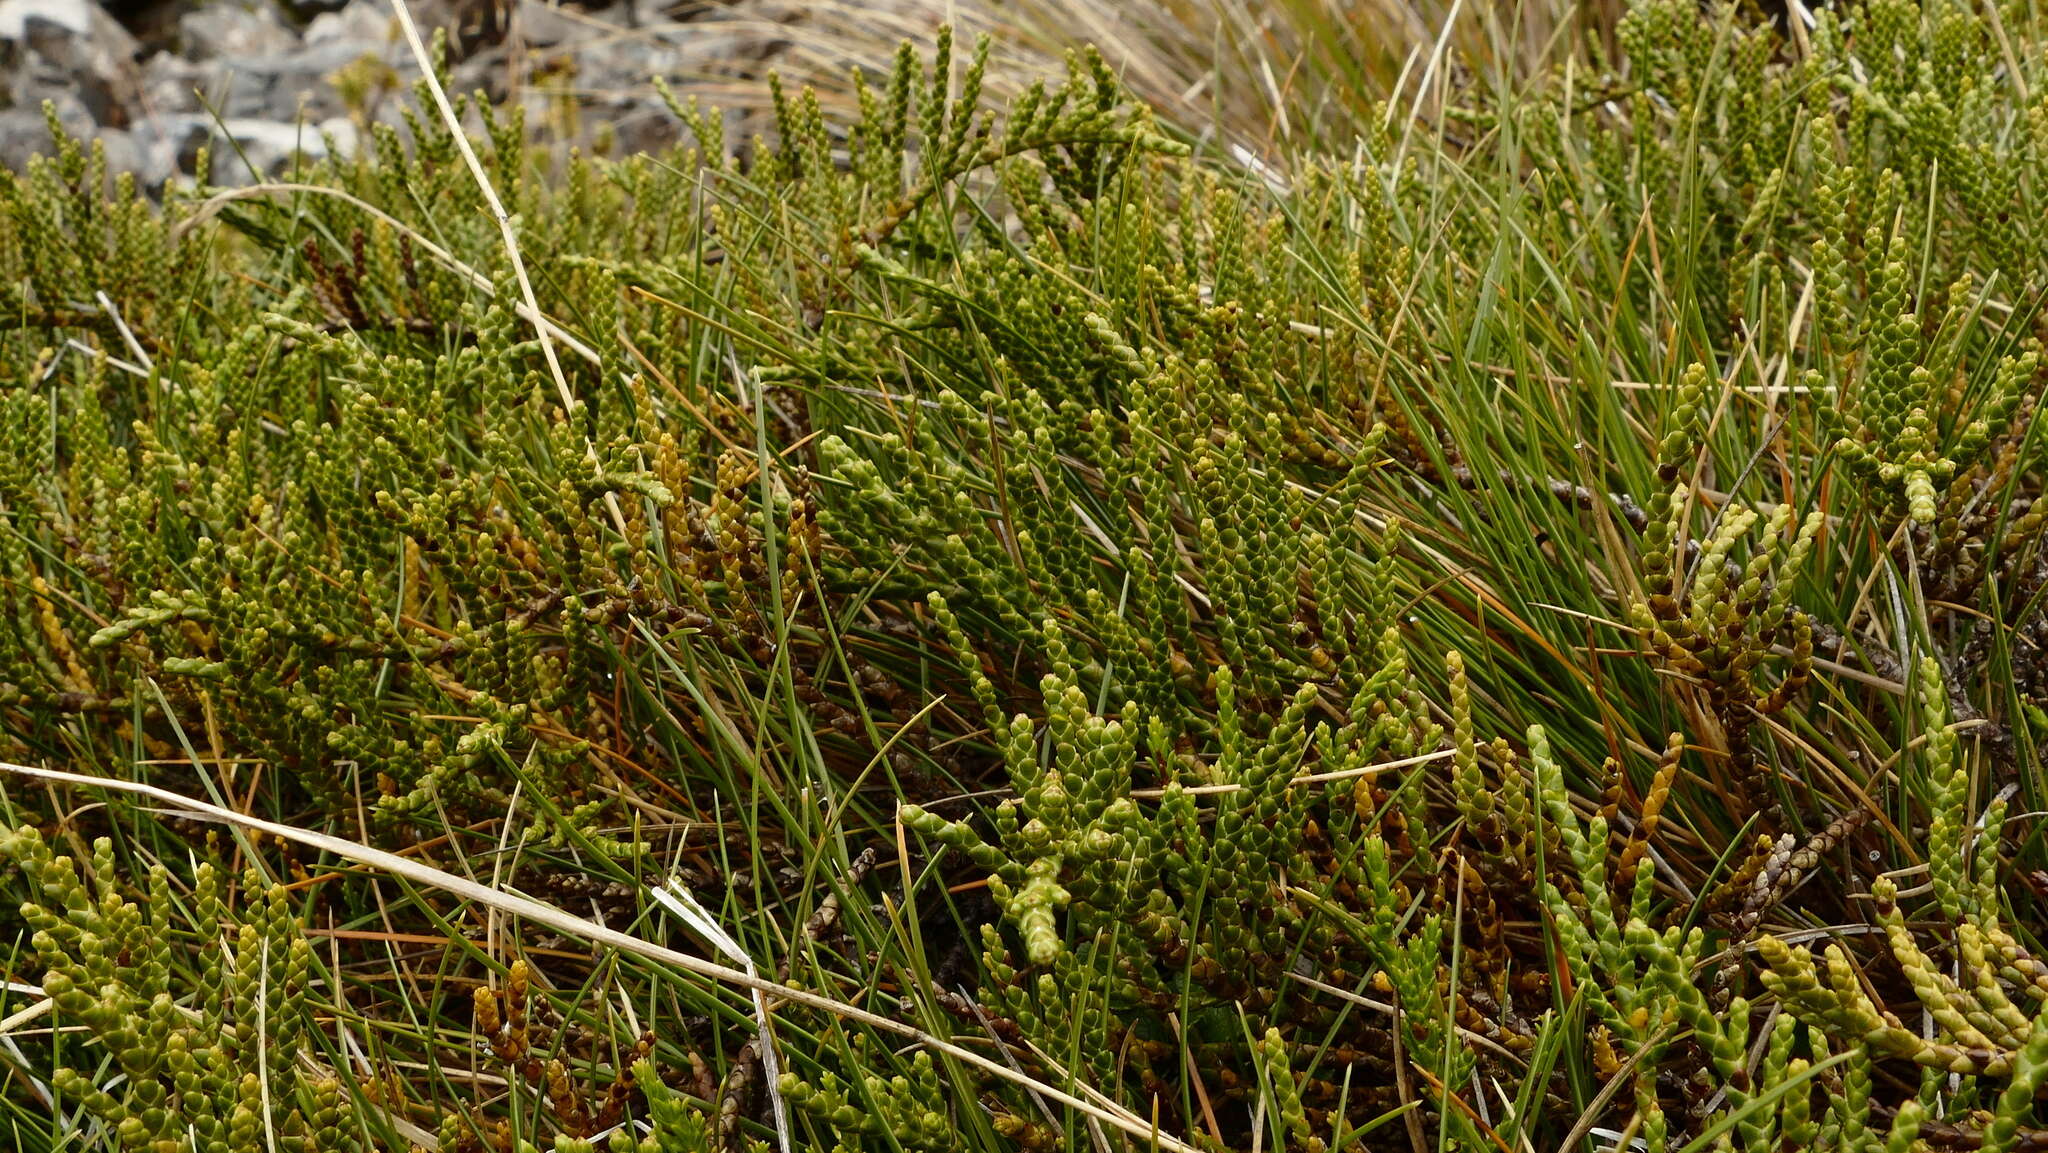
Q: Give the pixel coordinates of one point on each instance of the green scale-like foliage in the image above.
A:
(1425, 647)
(224, 1066)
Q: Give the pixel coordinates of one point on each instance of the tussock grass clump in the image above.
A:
(1524, 632)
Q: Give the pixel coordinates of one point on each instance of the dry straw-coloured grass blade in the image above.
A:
(562, 922)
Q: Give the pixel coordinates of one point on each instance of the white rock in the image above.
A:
(75, 16)
(255, 150)
(362, 24)
(227, 28)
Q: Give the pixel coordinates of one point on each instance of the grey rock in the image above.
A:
(125, 154)
(252, 29)
(360, 25)
(227, 86)
(24, 133)
(248, 70)
(171, 84)
(251, 150)
(53, 47)
(63, 19)
(546, 25)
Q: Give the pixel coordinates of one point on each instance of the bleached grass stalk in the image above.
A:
(263, 1045)
(508, 234)
(17, 1019)
(677, 899)
(483, 183)
(134, 346)
(131, 369)
(36, 1085)
(562, 922)
(211, 206)
(1422, 86)
(1307, 778)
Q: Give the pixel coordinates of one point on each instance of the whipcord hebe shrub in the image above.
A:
(1530, 630)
